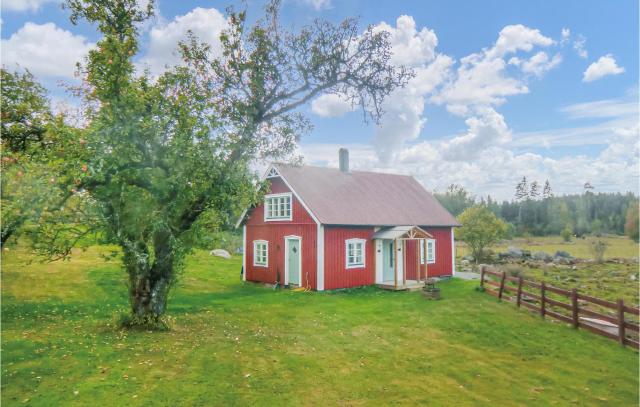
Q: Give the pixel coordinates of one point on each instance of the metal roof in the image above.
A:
(364, 198)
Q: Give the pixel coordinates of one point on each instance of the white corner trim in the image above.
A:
(255, 243)
(244, 253)
(320, 258)
(364, 253)
(283, 194)
(453, 253)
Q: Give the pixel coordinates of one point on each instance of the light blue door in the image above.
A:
(388, 260)
(293, 261)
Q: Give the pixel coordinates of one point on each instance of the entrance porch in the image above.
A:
(400, 254)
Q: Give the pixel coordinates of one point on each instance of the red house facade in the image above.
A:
(325, 228)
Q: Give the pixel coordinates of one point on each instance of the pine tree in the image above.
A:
(534, 190)
(546, 192)
(522, 190)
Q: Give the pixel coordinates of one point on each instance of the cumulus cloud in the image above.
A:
(330, 105)
(482, 78)
(486, 129)
(604, 66)
(25, 5)
(46, 50)
(538, 64)
(403, 119)
(162, 50)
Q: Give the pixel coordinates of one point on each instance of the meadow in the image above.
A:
(235, 343)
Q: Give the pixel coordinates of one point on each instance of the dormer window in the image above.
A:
(277, 207)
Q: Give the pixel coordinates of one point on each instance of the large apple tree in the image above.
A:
(170, 154)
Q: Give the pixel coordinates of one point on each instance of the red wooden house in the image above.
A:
(326, 228)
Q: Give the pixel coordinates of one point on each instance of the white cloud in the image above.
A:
(330, 105)
(318, 4)
(25, 5)
(538, 64)
(162, 49)
(579, 46)
(517, 37)
(486, 129)
(565, 34)
(604, 66)
(403, 119)
(482, 78)
(45, 49)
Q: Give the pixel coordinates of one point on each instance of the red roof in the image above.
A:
(364, 198)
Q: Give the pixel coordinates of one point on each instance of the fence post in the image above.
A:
(574, 307)
(542, 299)
(504, 275)
(519, 296)
(621, 333)
(482, 276)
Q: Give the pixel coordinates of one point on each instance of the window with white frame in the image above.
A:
(354, 250)
(431, 251)
(260, 253)
(277, 207)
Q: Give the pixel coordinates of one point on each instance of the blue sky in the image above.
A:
(505, 89)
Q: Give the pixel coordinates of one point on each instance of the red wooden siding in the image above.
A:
(442, 266)
(299, 215)
(302, 225)
(336, 274)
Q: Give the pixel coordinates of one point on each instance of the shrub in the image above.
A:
(513, 270)
(598, 247)
(566, 234)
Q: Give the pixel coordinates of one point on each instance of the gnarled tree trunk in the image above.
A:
(149, 281)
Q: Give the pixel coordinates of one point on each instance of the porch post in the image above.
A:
(395, 263)
(418, 271)
(426, 263)
(404, 262)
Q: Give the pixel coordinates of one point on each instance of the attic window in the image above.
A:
(354, 250)
(272, 173)
(277, 207)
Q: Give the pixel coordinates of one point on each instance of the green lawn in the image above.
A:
(244, 344)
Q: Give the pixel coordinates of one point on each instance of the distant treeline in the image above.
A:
(546, 214)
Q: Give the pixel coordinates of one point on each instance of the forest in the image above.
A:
(542, 213)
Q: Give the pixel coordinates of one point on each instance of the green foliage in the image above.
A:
(455, 199)
(566, 233)
(168, 159)
(480, 229)
(631, 221)
(598, 248)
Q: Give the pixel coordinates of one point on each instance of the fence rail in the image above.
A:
(618, 327)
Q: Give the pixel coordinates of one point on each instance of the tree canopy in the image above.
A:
(162, 158)
(480, 229)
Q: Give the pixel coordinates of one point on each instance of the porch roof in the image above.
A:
(402, 232)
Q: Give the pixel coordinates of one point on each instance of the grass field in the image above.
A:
(244, 344)
(617, 246)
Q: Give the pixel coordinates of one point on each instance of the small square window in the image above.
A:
(355, 253)
(261, 253)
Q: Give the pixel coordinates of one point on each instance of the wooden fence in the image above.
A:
(544, 301)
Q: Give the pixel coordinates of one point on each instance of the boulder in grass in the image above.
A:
(542, 256)
(562, 253)
(515, 252)
(220, 253)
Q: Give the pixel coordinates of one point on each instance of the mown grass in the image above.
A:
(243, 344)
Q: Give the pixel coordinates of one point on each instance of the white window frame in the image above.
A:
(267, 200)
(422, 244)
(272, 173)
(431, 260)
(348, 242)
(256, 263)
